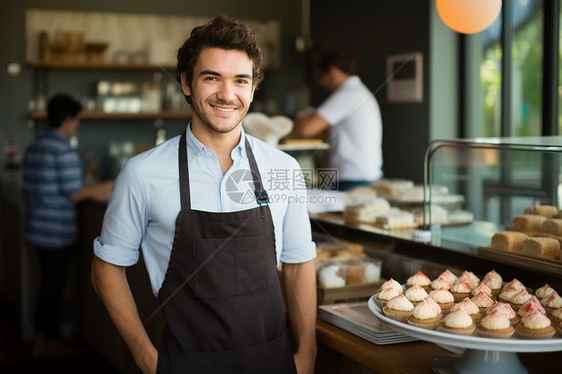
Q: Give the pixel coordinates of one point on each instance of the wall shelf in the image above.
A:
(99, 66)
(85, 115)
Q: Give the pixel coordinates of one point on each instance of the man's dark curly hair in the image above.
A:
(346, 61)
(222, 32)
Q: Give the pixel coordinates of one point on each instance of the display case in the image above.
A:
(499, 178)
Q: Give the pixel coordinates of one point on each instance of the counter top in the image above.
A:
(391, 358)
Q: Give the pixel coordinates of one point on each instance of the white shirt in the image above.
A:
(145, 202)
(356, 133)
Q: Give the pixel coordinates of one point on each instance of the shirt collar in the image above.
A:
(55, 133)
(195, 147)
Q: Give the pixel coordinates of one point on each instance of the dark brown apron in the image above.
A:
(221, 297)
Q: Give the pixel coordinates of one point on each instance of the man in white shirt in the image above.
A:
(213, 221)
(352, 115)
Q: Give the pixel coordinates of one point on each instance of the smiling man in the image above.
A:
(212, 259)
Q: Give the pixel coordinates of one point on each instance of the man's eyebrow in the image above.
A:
(217, 74)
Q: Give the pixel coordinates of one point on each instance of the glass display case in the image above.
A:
(498, 178)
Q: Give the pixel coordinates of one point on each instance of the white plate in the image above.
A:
(514, 344)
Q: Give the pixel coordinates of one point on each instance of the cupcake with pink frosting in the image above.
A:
(426, 314)
(482, 301)
(494, 281)
(519, 299)
(495, 325)
(445, 280)
(508, 291)
(457, 322)
(504, 309)
(482, 288)
(535, 326)
(552, 301)
(544, 291)
(470, 278)
(531, 306)
(419, 279)
(514, 283)
(468, 306)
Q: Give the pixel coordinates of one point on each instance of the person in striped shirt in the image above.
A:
(52, 185)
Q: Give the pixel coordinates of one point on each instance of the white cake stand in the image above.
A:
(481, 355)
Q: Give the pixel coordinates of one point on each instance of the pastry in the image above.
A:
(331, 276)
(384, 296)
(482, 301)
(555, 316)
(450, 277)
(549, 211)
(438, 215)
(395, 218)
(460, 290)
(551, 302)
(504, 309)
(392, 187)
(459, 216)
(440, 282)
(457, 322)
(419, 279)
(507, 292)
(426, 314)
(360, 195)
(542, 247)
(468, 306)
(354, 274)
(398, 308)
(495, 325)
(519, 299)
(444, 299)
(415, 294)
(470, 278)
(366, 212)
(528, 222)
(514, 283)
(391, 283)
(509, 241)
(535, 326)
(481, 288)
(553, 226)
(530, 306)
(494, 281)
(544, 291)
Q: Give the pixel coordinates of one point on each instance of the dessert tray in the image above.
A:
(481, 355)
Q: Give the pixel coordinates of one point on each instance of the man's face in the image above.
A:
(222, 88)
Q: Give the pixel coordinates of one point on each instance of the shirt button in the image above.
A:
(209, 153)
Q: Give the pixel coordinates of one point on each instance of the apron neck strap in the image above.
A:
(261, 194)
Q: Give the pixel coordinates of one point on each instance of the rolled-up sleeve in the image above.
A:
(125, 220)
(298, 246)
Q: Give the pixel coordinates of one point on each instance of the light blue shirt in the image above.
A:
(145, 202)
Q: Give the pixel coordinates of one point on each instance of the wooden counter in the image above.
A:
(342, 352)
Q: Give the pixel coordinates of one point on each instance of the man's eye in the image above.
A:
(242, 81)
(210, 78)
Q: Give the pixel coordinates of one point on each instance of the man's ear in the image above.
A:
(185, 86)
(253, 90)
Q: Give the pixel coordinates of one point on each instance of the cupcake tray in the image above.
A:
(481, 355)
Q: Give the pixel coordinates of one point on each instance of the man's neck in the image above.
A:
(220, 143)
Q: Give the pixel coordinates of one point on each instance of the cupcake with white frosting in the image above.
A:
(457, 322)
(398, 308)
(555, 316)
(481, 288)
(468, 306)
(440, 282)
(503, 309)
(444, 299)
(391, 283)
(482, 301)
(460, 290)
(426, 314)
(384, 296)
(552, 301)
(535, 326)
(494, 281)
(544, 291)
(532, 305)
(419, 279)
(519, 299)
(415, 294)
(495, 325)
(470, 278)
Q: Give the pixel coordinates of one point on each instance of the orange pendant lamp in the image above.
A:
(468, 16)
